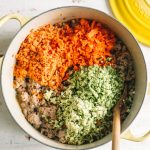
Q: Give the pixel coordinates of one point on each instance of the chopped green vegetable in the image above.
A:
(89, 98)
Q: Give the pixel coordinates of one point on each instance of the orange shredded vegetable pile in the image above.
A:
(47, 53)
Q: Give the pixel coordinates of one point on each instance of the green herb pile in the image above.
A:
(84, 105)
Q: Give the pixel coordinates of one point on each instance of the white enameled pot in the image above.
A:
(54, 16)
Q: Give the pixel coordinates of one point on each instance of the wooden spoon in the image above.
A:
(116, 122)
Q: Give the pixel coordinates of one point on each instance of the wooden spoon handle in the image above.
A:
(116, 129)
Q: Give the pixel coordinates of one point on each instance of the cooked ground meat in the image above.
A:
(48, 111)
(34, 119)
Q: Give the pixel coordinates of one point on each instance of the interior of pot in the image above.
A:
(55, 16)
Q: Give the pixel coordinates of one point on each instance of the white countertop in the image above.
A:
(11, 136)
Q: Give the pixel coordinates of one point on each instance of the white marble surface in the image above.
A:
(11, 136)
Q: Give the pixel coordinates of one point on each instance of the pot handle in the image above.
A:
(18, 17)
(128, 135)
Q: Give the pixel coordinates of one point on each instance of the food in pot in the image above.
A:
(69, 76)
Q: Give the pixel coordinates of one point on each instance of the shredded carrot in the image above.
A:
(47, 53)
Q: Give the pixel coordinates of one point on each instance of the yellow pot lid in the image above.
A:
(135, 15)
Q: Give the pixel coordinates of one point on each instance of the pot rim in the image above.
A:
(66, 7)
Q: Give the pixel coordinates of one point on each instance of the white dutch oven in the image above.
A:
(55, 16)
